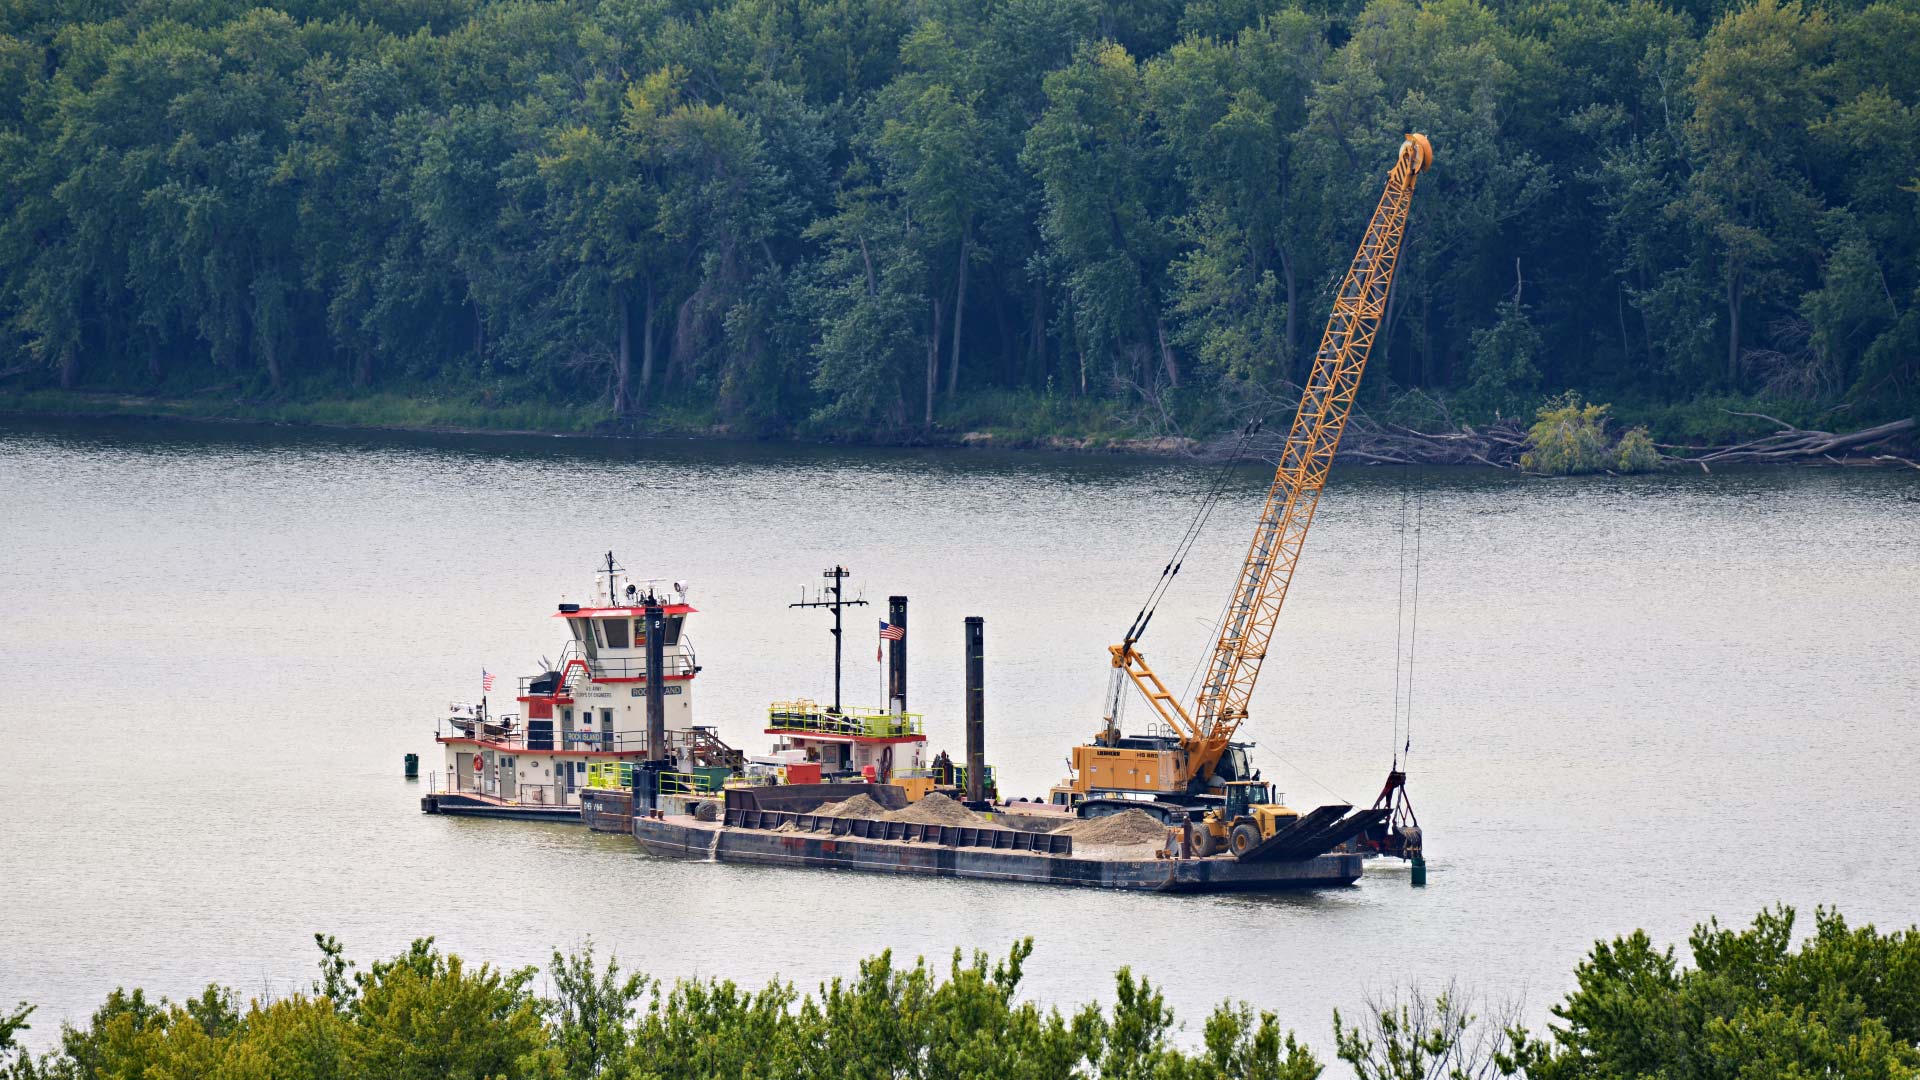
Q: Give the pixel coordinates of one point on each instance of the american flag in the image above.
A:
(892, 632)
(486, 680)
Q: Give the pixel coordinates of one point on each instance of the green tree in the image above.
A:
(1109, 207)
(870, 290)
(425, 1015)
(1505, 378)
(1843, 1004)
(1756, 90)
(593, 1010)
(1230, 112)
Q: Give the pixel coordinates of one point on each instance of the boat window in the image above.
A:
(671, 636)
(616, 631)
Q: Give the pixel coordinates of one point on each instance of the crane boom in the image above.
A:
(1308, 452)
(1325, 404)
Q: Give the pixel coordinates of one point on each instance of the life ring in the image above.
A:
(478, 763)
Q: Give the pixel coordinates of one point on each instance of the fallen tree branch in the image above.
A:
(1500, 444)
(1795, 444)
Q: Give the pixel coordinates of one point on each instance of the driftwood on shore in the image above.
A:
(1371, 442)
(1500, 444)
(1875, 445)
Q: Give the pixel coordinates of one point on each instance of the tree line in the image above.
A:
(856, 216)
(1844, 1003)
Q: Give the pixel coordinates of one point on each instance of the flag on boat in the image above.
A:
(892, 632)
(486, 681)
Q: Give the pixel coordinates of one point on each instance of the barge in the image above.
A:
(956, 852)
(844, 787)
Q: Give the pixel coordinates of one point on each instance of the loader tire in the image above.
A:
(1204, 843)
(1244, 838)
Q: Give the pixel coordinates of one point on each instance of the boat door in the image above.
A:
(509, 782)
(463, 774)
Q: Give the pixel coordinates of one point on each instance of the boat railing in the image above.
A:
(487, 785)
(678, 663)
(955, 775)
(805, 717)
(517, 737)
(618, 775)
(675, 665)
(679, 783)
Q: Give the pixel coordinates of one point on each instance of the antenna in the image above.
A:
(835, 574)
(613, 588)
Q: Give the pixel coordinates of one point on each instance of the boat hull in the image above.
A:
(685, 838)
(459, 804)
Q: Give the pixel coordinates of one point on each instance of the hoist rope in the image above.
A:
(1209, 500)
(1413, 627)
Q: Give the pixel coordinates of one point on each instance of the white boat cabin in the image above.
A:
(588, 709)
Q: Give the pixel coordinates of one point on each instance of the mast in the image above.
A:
(835, 574)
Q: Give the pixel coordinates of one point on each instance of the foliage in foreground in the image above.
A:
(1844, 1004)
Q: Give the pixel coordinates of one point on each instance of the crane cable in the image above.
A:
(1208, 502)
(1404, 642)
(1399, 621)
(1413, 624)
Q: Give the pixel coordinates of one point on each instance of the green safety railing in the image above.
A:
(617, 775)
(959, 772)
(810, 718)
(960, 778)
(680, 783)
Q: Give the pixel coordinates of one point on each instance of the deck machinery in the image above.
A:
(1190, 768)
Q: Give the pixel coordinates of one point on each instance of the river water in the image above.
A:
(1637, 702)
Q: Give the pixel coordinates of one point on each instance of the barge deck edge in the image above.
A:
(463, 805)
(685, 838)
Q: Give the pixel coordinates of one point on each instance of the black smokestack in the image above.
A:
(656, 683)
(976, 710)
(897, 655)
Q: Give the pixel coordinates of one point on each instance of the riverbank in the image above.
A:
(457, 415)
(1703, 435)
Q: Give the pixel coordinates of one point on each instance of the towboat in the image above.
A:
(584, 720)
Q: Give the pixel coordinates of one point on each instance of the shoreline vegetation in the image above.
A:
(1567, 436)
(1052, 223)
(1843, 1002)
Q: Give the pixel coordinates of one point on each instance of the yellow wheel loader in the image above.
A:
(1249, 816)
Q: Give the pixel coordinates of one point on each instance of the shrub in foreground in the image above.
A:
(1844, 1004)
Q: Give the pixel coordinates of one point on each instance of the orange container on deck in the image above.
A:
(807, 772)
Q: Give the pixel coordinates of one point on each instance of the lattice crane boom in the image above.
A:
(1267, 572)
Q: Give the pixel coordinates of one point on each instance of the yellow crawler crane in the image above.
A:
(1184, 761)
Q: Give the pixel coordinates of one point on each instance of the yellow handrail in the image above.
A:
(679, 783)
(610, 774)
(810, 718)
